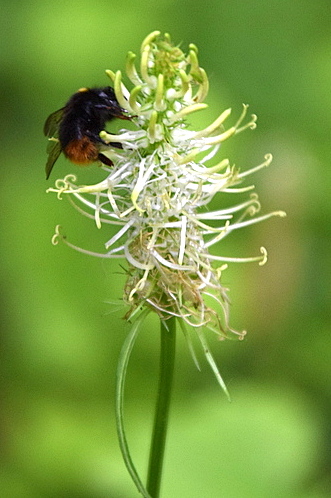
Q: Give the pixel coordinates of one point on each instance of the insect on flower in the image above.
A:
(74, 129)
(157, 192)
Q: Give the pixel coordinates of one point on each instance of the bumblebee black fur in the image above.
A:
(75, 128)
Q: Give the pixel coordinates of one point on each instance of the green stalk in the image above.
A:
(167, 362)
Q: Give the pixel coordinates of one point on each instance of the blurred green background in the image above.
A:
(60, 339)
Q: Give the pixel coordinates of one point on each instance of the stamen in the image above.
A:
(268, 159)
(131, 70)
(203, 87)
(159, 104)
(135, 106)
(121, 92)
(216, 124)
(185, 111)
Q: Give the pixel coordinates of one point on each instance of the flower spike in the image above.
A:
(158, 188)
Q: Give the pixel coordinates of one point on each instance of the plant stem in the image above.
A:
(167, 362)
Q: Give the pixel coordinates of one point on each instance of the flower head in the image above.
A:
(158, 190)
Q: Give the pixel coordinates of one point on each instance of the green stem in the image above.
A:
(167, 362)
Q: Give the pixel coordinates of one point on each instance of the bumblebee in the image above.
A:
(75, 127)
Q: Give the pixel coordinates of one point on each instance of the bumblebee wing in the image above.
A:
(51, 130)
(53, 150)
(51, 126)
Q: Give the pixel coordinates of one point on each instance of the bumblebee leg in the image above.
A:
(117, 145)
(105, 160)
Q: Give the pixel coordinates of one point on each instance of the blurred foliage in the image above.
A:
(60, 337)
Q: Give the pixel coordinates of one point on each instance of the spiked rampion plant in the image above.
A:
(157, 195)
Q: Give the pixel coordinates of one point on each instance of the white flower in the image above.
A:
(158, 190)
